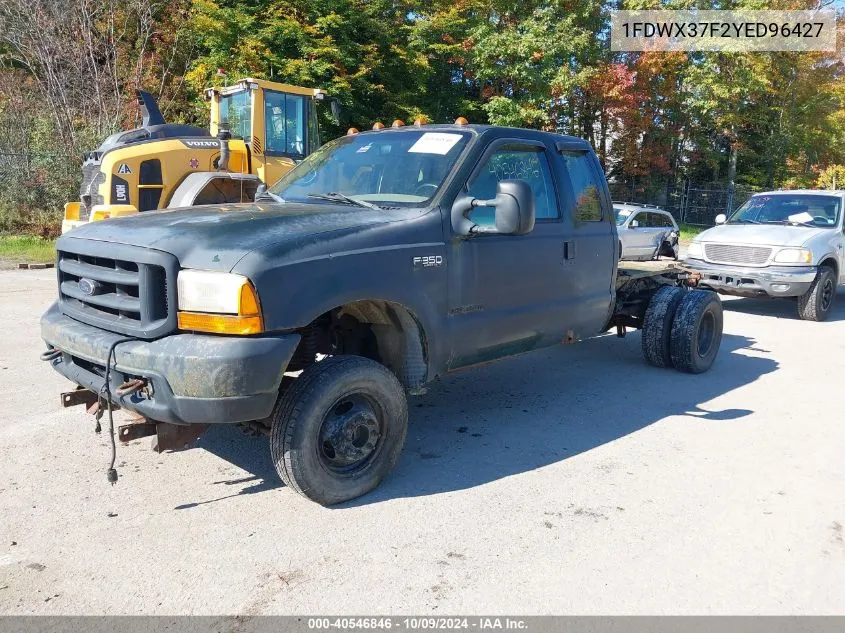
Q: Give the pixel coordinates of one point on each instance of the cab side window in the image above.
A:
(514, 163)
(284, 122)
(662, 221)
(585, 187)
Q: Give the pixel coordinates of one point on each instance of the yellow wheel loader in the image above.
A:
(259, 130)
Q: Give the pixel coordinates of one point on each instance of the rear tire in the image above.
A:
(338, 429)
(657, 325)
(696, 332)
(817, 303)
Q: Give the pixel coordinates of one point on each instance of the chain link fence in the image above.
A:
(33, 190)
(690, 203)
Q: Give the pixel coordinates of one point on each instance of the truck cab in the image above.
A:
(383, 261)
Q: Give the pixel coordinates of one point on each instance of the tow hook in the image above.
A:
(50, 354)
(130, 386)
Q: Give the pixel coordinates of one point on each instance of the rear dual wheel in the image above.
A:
(683, 329)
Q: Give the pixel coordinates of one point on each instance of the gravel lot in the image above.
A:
(573, 480)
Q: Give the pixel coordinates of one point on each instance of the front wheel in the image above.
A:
(338, 429)
(817, 303)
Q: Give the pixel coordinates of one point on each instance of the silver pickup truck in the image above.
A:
(778, 244)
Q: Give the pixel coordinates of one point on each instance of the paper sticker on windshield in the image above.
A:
(364, 148)
(802, 217)
(434, 143)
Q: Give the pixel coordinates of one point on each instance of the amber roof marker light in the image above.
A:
(461, 121)
(378, 125)
(352, 131)
(398, 123)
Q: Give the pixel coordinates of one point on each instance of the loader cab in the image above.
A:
(277, 122)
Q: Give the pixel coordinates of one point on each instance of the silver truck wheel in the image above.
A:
(657, 325)
(338, 429)
(696, 332)
(817, 303)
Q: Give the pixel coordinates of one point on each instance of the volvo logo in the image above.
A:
(89, 287)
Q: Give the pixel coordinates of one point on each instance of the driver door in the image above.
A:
(509, 293)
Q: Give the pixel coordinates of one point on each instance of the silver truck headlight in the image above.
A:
(224, 303)
(794, 256)
(695, 250)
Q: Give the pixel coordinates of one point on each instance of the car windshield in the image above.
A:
(388, 169)
(622, 215)
(796, 209)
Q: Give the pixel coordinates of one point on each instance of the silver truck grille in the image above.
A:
(131, 292)
(736, 254)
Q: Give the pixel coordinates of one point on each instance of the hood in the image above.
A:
(216, 237)
(760, 234)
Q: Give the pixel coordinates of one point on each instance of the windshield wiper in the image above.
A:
(792, 222)
(269, 195)
(743, 221)
(339, 197)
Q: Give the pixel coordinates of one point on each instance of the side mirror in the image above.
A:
(721, 218)
(634, 224)
(513, 205)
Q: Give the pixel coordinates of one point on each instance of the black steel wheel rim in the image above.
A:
(827, 293)
(706, 333)
(351, 434)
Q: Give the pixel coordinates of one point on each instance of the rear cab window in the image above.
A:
(584, 185)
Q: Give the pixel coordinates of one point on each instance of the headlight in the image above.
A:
(223, 303)
(794, 256)
(695, 250)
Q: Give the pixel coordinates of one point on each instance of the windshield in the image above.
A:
(390, 169)
(235, 112)
(799, 209)
(284, 120)
(622, 215)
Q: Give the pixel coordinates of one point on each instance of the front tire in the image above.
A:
(338, 429)
(696, 332)
(817, 303)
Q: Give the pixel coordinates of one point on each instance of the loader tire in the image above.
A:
(657, 325)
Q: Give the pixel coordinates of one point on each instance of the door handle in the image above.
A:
(568, 250)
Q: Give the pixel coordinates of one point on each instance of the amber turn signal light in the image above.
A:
(246, 321)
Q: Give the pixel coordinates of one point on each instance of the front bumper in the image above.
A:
(771, 281)
(193, 378)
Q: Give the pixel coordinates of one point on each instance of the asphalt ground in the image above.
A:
(572, 480)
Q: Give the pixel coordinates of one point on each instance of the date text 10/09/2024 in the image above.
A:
(418, 623)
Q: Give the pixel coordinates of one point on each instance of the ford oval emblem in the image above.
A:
(88, 287)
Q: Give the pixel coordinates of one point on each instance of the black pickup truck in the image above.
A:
(385, 260)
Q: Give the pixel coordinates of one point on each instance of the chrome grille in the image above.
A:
(737, 254)
(128, 293)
